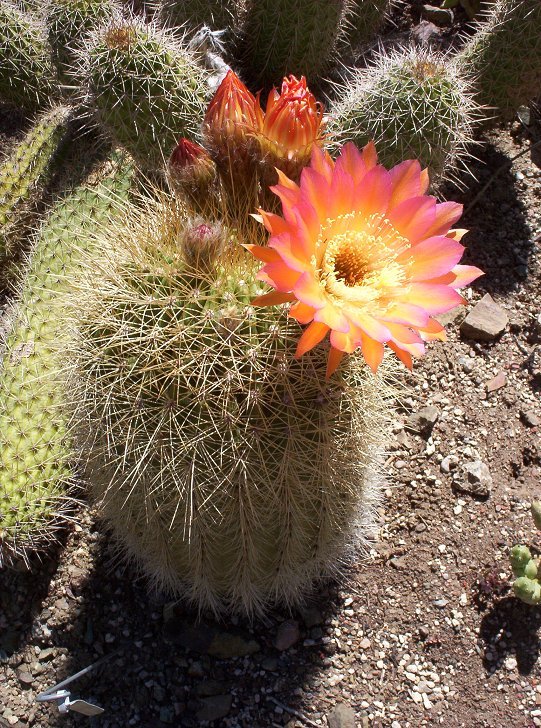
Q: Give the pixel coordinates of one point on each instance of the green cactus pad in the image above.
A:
(528, 590)
(27, 74)
(68, 23)
(233, 473)
(504, 56)
(26, 168)
(36, 457)
(519, 556)
(414, 105)
(147, 89)
(279, 37)
(362, 20)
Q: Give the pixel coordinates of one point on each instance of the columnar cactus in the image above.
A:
(233, 473)
(414, 104)
(214, 14)
(27, 74)
(68, 23)
(289, 36)
(504, 56)
(26, 168)
(362, 20)
(36, 455)
(146, 88)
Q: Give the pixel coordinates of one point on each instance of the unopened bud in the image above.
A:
(202, 243)
(190, 169)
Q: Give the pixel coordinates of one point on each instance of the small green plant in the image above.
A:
(527, 586)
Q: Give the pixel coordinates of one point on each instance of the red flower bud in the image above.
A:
(231, 117)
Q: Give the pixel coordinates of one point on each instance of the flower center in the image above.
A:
(359, 262)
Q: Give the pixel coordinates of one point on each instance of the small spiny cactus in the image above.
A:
(145, 87)
(413, 104)
(27, 74)
(504, 56)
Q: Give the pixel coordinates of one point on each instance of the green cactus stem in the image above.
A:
(279, 37)
(146, 88)
(27, 74)
(362, 21)
(26, 169)
(520, 557)
(214, 14)
(527, 590)
(233, 473)
(36, 457)
(504, 56)
(414, 104)
(68, 23)
(536, 513)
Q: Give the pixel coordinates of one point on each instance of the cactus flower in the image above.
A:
(291, 124)
(364, 255)
(230, 119)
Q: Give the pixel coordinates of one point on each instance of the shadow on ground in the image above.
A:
(510, 629)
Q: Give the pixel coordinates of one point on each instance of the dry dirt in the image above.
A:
(425, 632)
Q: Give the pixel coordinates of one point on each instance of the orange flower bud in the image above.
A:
(231, 117)
(291, 125)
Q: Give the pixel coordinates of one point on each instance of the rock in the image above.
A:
(530, 419)
(425, 33)
(448, 463)
(341, 716)
(47, 654)
(214, 707)
(476, 479)
(424, 632)
(485, 321)
(438, 16)
(496, 382)
(423, 421)
(167, 714)
(269, 664)
(210, 688)
(287, 635)
(206, 638)
(25, 678)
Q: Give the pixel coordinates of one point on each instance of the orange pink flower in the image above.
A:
(230, 118)
(292, 122)
(364, 255)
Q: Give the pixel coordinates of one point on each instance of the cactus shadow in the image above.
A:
(510, 629)
(499, 240)
(23, 589)
(170, 665)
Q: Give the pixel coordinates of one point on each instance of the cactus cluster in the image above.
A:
(230, 470)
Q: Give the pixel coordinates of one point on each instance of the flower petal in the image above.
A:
(373, 193)
(404, 356)
(333, 362)
(406, 182)
(406, 313)
(302, 312)
(372, 352)
(412, 218)
(274, 298)
(312, 335)
(447, 213)
(433, 257)
(263, 252)
(308, 290)
(356, 164)
(333, 318)
(432, 297)
(433, 330)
